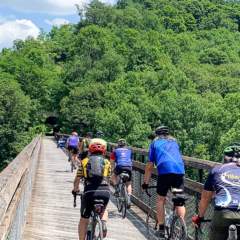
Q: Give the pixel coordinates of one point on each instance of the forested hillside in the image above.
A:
(127, 68)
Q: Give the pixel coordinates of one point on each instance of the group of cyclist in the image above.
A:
(223, 182)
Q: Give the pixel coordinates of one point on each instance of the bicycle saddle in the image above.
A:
(176, 191)
(98, 201)
(124, 176)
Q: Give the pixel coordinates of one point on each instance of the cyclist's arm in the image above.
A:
(81, 144)
(148, 172)
(207, 194)
(206, 198)
(150, 165)
(112, 159)
(77, 179)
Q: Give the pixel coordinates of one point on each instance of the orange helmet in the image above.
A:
(97, 146)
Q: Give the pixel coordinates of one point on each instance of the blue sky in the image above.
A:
(22, 18)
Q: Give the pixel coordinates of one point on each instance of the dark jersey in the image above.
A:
(225, 181)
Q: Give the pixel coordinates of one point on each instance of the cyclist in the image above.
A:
(121, 157)
(95, 170)
(224, 182)
(73, 146)
(84, 145)
(164, 153)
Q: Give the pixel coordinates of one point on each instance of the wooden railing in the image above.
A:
(16, 182)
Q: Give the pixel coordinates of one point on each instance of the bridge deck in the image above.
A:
(51, 214)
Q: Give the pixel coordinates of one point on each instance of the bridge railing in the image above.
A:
(16, 182)
(196, 168)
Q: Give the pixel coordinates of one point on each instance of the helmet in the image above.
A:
(97, 146)
(99, 134)
(122, 142)
(74, 133)
(162, 130)
(89, 134)
(233, 150)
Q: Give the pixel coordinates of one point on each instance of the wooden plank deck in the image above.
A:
(51, 214)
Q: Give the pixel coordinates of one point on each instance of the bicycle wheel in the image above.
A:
(178, 229)
(118, 200)
(124, 200)
(89, 235)
(97, 231)
(72, 166)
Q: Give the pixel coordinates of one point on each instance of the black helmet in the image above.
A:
(122, 142)
(162, 130)
(99, 134)
(233, 150)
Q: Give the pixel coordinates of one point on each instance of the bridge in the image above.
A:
(36, 201)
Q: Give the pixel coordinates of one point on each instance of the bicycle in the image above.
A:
(95, 228)
(175, 226)
(122, 197)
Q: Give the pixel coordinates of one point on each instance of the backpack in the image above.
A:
(96, 167)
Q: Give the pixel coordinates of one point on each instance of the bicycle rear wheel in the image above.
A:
(178, 229)
(89, 235)
(97, 231)
(118, 199)
(124, 200)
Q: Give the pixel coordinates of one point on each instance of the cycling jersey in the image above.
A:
(73, 141)
(225, 181)
(165, 154)
(122, 157)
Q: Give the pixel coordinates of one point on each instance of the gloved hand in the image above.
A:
(144, 186)
(73, 193)
(196, 220)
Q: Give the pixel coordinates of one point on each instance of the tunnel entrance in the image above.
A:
(53, 123)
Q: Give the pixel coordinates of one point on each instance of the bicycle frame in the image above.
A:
(170, 218)
(122, 198)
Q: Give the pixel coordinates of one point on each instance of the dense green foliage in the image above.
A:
(127, 68)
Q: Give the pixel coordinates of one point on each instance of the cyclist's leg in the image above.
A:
(86, 207)
(162, 189)
(177, 182)
(115, 180)
(103, 194)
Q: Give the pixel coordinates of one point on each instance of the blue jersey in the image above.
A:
(122, 157)
(225, 181)
(166, 156)
(73, 141)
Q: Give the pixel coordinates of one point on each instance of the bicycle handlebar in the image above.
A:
(149, 187)
(75, 194)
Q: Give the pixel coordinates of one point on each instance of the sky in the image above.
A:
(22, 18)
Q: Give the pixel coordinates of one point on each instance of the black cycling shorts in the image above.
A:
(73, 149)
(91, 193)
(167, 181)
(120, 169)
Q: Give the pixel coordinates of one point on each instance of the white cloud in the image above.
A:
(56, 7)
(11, 30)
(56, 22)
